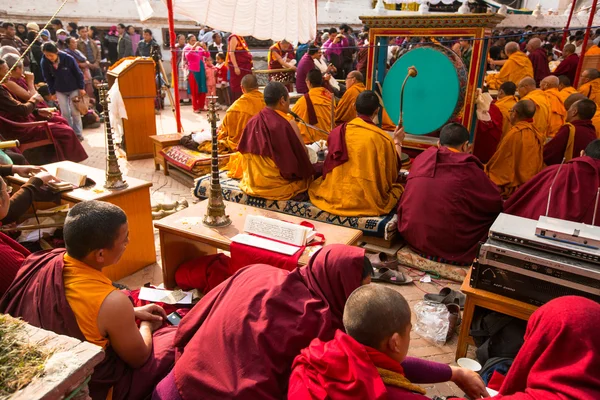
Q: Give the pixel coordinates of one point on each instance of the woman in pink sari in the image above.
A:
(195, 52)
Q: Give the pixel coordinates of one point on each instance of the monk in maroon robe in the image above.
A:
(488, 134)
(573, 194)
(449, 203)
(65, 292)
(539, 60)
(568, 66)
(573, 137)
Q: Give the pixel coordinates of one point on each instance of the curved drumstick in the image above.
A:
(412, 72)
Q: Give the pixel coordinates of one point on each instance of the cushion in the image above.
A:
(385, 226)
(406, 256)
(191, 160)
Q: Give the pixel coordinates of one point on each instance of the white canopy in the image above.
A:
(293, 20)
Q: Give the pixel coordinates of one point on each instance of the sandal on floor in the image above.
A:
(454, 319)
(387, 275)
(447, 296)
(382, 260)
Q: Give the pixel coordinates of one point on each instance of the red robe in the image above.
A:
(37, 295)
(568, 67)
(554, 150)
(488, 135)
(573, 194)
(12, 255)
(243, 58)
(240, 340)
(539, 60)
(448, 205)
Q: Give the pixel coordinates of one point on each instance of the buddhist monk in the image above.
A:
(238, 115)
(346, 110)
(315, 108)
(527, 91)
(539, 60)
(558, 113)
(590, 85)
(573, 194)
(568, 66)
(368, 360)
(64, 291)
(520, 153)
(361, 168)
(593, 51)
(239, 62)
(448, 229)
(573, 137)
(595, 119)
(517, 67)
(505, 102)
(275, 162)
(564, 88)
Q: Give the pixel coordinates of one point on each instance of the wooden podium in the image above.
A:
(138, 89)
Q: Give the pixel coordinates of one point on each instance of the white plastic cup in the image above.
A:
(469, 364)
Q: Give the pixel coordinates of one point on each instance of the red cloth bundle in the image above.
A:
(204, 273)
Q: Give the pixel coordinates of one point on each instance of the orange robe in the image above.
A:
(517, 67)
(596, 122)
(346, 108)
(593, 51)
(565, 93)
(591, 90)
(543, 110)
(321, 99)
(505, 104)
(558, 113)
(519, 157)
(365, 185)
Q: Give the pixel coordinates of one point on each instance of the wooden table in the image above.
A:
(491, 301)
(134, 200)
(160, 142)
(183, 236)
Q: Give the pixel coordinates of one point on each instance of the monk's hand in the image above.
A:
(26, 171)
(399, 135)
(45, 177)
(82, 92)
(469, 382)
(150, 313)
(45, 113)
(237, 70)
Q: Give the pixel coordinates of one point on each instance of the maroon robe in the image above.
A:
(539, 60)
(67, 145)
(488, 135)
(568, 67)
(268, 134)
(573, 194)
(240, 340)
(37, 295)
(554, 150)
(12, 255)
(448, 205)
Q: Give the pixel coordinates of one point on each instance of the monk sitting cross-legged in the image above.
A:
(573, 137)
(573, 193)
(275, 162)
(64, 291)
(564, 88)
(314, 108)
(590, 85)
(517, 67)
(505, 102)
(361, 168)
(558, 113)
(370, 360)
(467, 201)
(346, 111)
(528, 91)
(520, 152)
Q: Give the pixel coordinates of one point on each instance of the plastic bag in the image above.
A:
(432, 321)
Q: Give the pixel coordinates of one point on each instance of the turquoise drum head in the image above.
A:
(431, 98)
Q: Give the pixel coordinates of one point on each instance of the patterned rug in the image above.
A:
(384, 226)
(406, 256)
(190, 160)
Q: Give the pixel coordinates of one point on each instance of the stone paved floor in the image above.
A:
(167, 189)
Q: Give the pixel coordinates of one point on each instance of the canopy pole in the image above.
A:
(566, 30)
(174, 70)
(585, 41)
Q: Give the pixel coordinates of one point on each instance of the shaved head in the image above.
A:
(593, 149)
(583, 109)
(526, 86)
(357, 75)
(549, 82)
(314, 78)
(525, 109)
(249, 83)
(511, 47)
(373, 313)
(591, 74)
(534, 44)
(564, 81)
(569, 49)
(454, 135)
(508, 88)
(572, 99)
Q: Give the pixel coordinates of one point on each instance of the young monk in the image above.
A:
(558, 113)
(505, 102)
(564, 87)
(369, 360)
(314, 108)
(451, 231)
(573, 194)
(590, 85)
(517, 67)
(240, 340)
(520, 153)
(560, 358)
(528, 91)
(64, 291)
(361, 168)
(275, 162)
(573, 137)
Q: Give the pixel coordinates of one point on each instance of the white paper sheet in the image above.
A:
(266, 244)
(156, 295)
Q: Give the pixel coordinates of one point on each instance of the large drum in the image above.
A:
(431, 98)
